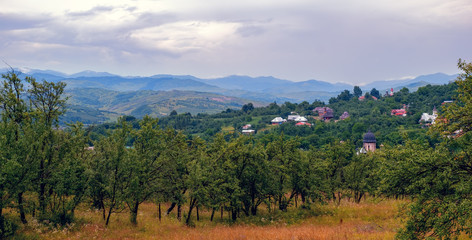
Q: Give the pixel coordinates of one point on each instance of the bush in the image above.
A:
(7, 227)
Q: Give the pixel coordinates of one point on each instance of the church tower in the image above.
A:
(369, 142)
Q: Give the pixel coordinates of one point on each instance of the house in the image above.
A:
(426, 117)
(344, 116)
(325, 113)
(248, 131)
(247, 126)
(301, 119)
(303, 124)
(400, 112)
(278, 121)
(369, 143)
(292, 117)
(328, 115)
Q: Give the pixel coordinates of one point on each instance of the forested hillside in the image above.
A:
(203, 162)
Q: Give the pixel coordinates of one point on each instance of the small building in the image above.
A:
(278, 121)
(400, 112)
(247, 126)
(248, 131)
(328, 115)
(301, 119)
(431, 118)
(344, 116)
(303, 124)
(292, 117)
(321, 110)
(369, 143)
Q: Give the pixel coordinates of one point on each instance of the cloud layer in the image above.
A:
(341, 40)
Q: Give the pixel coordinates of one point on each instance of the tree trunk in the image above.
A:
(109, 214)
(172, 206)
(190, 208)
(21, 208)
(179, 212)
(104, 210)
(160, 212)
(198, 213)
(2, 225)
(212, 214)
(221, 212)
(234, 214)
(134, 214)
(42, 189)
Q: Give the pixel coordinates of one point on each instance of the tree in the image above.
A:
(357, 91)
(109, 177)
(439, 177)
(247, 107)
(16, 130)
(375, 93)
(344, 96)
(146, 166)
(457, 116)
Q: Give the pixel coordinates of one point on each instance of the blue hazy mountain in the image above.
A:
(423, 80)
(264, 89)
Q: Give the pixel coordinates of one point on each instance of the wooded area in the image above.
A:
(46, 171)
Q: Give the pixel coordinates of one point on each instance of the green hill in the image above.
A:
(95, 105)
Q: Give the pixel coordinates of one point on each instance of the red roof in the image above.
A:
(303, 123)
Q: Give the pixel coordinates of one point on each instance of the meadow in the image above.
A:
(372, 219)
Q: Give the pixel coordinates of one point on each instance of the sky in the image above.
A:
(330, 40)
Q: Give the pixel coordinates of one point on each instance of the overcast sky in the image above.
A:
(331, 40)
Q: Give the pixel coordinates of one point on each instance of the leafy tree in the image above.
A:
(109, 180)
(439, 177)
(247, 107)
(357, 91)
(146, 166)
(17, 132)
(345, 96)
(70, 178)
(458, 115)
(337, 156)
(375, 93)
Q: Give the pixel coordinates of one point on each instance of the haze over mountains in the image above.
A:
(158, 95)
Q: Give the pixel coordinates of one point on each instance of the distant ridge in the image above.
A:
(265, 88)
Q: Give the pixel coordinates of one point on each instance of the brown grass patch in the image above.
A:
(367, 220)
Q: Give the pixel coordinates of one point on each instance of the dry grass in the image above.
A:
(367, 220)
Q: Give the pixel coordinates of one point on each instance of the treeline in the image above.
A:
(47, 172)
(368, 114)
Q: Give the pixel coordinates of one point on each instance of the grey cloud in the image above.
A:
(250, 30)
(93, 11)
(18, 21)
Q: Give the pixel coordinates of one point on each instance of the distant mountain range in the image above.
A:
(157, 95)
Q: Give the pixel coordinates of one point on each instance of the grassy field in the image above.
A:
(367, 220)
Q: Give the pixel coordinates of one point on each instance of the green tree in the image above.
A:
(109, 176)
(439, 178)
(145, 167)
(375, 93)
(344, 96)
(357, 91)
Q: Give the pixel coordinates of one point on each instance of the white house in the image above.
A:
(426, 117)
(301, 119)
(278, 120)
(292, 117)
